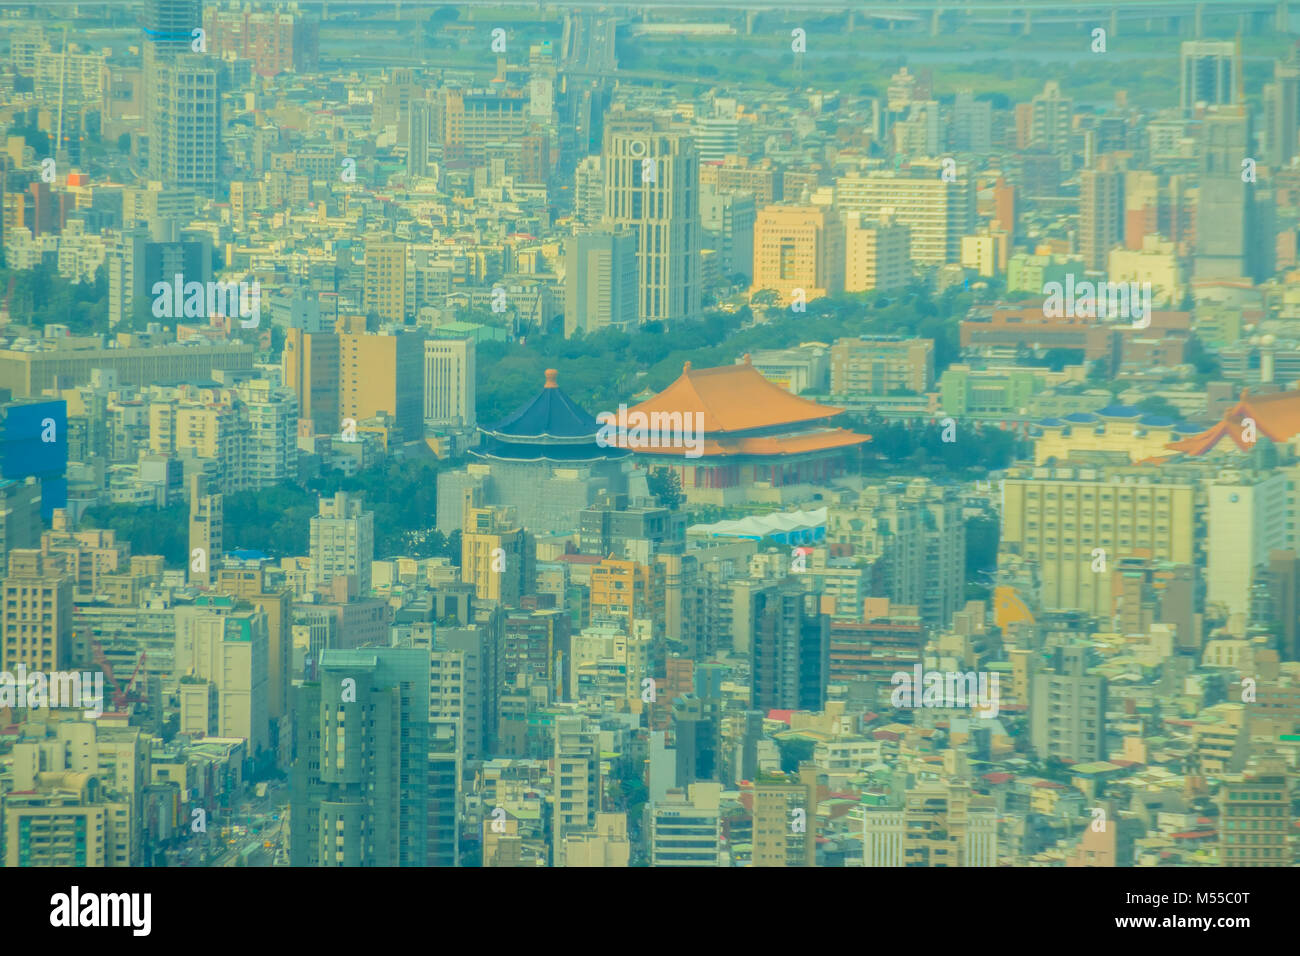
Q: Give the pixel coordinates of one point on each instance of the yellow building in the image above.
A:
(798, 247)
(310, 365)
(623, 590)
(1116, 429)
(36, 616)
(877, 255)
(385, 290)
(1076, 526)
(494, 554)
(383, 373)
(785, 824)
(65, 821)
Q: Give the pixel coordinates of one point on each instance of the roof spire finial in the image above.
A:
(686, 366)
(748, 359)
(550, 378)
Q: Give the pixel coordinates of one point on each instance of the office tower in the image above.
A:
(686, 827)
(342, 542)
(1051, 119)
(1226, 213)
(1284, 587)
(1246, 523)
(877, 255)
(1067, 709)
(206, 536)
(936, 213)
(385, 293)
(310, 366)
(227, 647)
(785, 824)
(495, 554)
(34, 444)
(1074, 527)
(36, 619)
(124, 260)
(360, 787)
(450, 381)
(417, 138)
(1101, 215)
(798, 247)
(652, 187)
(1255, 815)
(972, 124)
(941, 823)
(578, 784)
(600, 285)
(727, 218)
(1209, 73)
(383, 373)
(589, 191)
(468, 122)
(20, 515)
(881, 365)
(791, 650)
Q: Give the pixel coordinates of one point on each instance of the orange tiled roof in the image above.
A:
(820, 440)
(734, 398)
(1276, 415)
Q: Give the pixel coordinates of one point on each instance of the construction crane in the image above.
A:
(120, 696)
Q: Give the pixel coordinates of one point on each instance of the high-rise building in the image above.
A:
(36, 618)
(881, 365)
(685, 829)
(1075, 526)
(727, 218)
(206, 532)
(578, 784)
(1101, 215)
(1051, 117)
(972, 124)
(936, 213)
(652, 187)
(385, 293)
(1227, 208)
(589, 191)
(417, 138)
(342, 542)
(185, 122)
(1209, 74)
(450, 381)
(1067, 709)
(228, 647)
(600, 285)
(495, 553)
(34, 444)
(798, 247)
(20, 515)
(384, 373)
(310, 367)
(877, 255)
(360, 787)
(1245, 524)
(1255, 816)
(785, 824)
(791, 650)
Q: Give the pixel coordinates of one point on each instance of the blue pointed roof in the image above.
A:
(549, 426)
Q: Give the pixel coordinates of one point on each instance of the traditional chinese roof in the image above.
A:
(1276, 416)
(735, 398)
(549, 426)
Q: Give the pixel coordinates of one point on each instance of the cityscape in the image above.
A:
(666, 434)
